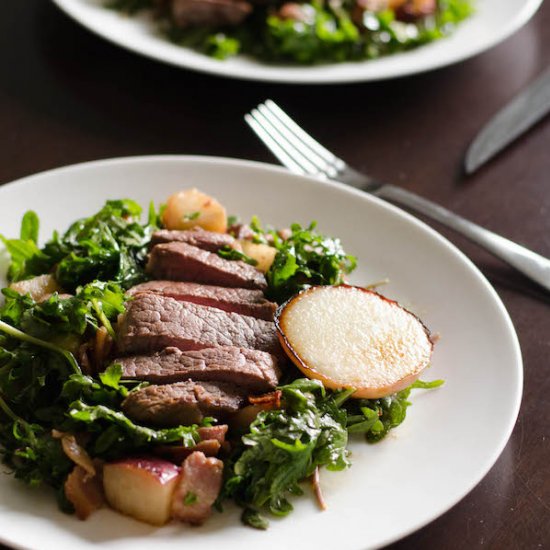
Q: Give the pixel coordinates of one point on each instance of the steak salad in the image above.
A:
(164, 368)
(304, 32)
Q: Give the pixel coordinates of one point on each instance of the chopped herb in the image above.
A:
(233, 220)
(190, 498)
(190, 216)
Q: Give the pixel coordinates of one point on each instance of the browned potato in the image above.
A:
(141, 488)
(38, 287)
(262, 253)
(350, 337)
(192, 208)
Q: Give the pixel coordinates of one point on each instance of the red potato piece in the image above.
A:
(349, 337)
(141, 488)
(198, 488)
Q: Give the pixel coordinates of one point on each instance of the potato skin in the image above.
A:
(193, 208)
(309, 372)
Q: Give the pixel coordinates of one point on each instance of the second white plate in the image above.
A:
(493, 21)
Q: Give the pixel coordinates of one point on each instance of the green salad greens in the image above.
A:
(317, 31)
(110, 246)
(57, 375)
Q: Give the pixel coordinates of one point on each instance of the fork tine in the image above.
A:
(297, 142)
(306, 166)
(273, 146)
(313, 144)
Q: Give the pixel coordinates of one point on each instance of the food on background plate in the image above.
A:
(315, 31)
(141, 364)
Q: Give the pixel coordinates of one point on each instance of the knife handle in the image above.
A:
(531, 264)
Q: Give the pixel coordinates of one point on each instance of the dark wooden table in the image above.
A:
(66, 96)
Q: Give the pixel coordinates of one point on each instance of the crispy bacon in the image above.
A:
(198, 488)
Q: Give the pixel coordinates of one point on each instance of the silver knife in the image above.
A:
(526, 109)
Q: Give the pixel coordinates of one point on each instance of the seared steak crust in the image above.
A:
(256, 371)
(207, 240)
(153, 322)
(179, 261)
(237, 300)
(182, 403)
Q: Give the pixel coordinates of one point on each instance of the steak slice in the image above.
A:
(198, 488)
(178, 261)
(237, 300)
(256, 371)
(183, 403)
(192, 13)
(207, 240)
(152, 323)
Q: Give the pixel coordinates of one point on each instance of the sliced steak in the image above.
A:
(178, 261)
(183, 403)
(256, 371)
(237, 300)
(152, 323)
(192, 13)
(198, 488)
(207, 240)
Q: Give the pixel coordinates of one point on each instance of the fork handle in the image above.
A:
(533, 265)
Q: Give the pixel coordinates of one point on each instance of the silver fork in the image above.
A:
(302, 154)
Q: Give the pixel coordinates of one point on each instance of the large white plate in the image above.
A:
(493, 21)
(452, 435)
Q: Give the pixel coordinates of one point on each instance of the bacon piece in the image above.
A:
(198, 488)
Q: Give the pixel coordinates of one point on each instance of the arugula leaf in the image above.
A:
(376, 417)
(124, 435)
(229, 253)
(284, 446)
(306, 258)
(30, 226)
(110, 245)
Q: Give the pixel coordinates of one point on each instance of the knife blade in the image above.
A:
(522, 112)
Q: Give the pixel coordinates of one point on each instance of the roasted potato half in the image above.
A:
(193, 208)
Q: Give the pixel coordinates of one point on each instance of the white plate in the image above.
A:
(452, 435)
(493, 21)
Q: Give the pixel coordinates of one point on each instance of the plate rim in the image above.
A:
(496, 452)
(71, 9)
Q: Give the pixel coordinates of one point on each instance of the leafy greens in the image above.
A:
(285, 446)
(306, 258)
(110, 246)
(317, 31)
